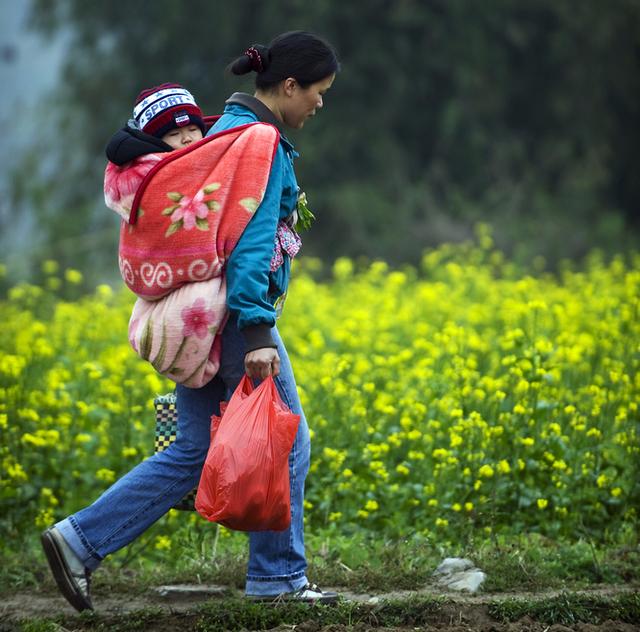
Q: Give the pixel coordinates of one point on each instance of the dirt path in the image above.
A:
(175, 606)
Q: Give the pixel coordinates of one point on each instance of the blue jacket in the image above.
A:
(252, 288)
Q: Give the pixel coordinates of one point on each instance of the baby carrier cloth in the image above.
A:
(182, 214)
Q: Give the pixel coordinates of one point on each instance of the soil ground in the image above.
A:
(176, 611)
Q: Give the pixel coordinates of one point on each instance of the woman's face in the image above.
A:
(302, 103)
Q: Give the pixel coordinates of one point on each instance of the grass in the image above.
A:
(237, 614)
(536, 563)
(568, 609)
(519, 563)
(356, 562)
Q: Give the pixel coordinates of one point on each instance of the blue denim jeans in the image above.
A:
(277, 560)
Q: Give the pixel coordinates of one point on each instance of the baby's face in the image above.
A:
(181, 137)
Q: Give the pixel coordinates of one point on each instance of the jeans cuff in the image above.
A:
(71, 532)
(272, 587)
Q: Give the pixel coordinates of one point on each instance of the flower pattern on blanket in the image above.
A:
(197, 319)
(191, 212)
(196, 201)
(121, 182)
(178, 334)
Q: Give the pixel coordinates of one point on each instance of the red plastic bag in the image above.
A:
(245, 479)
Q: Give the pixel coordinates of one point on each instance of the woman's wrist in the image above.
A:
(258, 337)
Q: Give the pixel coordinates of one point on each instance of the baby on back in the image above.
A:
(165, 118)
(182, 217)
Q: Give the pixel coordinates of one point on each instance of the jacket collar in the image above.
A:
(261, 111)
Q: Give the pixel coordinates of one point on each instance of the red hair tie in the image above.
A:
(256, 61)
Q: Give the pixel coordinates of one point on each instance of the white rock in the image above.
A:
(453, 565)
(465, 580)
(458, 573)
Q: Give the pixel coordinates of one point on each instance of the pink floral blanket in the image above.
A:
(182, 215)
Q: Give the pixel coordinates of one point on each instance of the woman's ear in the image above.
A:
(289, 86)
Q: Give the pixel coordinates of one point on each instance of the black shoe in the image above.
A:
(73, 579)
(310, 593)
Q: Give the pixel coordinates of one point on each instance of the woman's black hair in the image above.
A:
(298, 54)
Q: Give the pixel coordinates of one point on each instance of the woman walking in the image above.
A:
(292, 75)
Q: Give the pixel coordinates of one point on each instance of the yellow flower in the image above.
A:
(49, 266)
(442, 522)
(35, 440)
(486, 471)
(555, 428)
(420, 363)
(371, 505)
(11, 365)
(104, 291)
(106, 475)
(73, 276)
(342, 268)
(44, 518)
(542, 503)
(163, 543)
(48, 496)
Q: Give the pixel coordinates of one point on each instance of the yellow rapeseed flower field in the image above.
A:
(459, 397)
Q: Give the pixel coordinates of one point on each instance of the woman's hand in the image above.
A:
(260, 363)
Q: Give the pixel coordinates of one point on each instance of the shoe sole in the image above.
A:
(280, 599)
(62, 574)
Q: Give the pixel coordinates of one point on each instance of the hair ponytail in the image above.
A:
(298, 54)
(255, 58)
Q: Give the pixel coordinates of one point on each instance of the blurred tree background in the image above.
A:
(524, 114)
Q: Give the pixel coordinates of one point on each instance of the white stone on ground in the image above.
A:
(458, 573)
